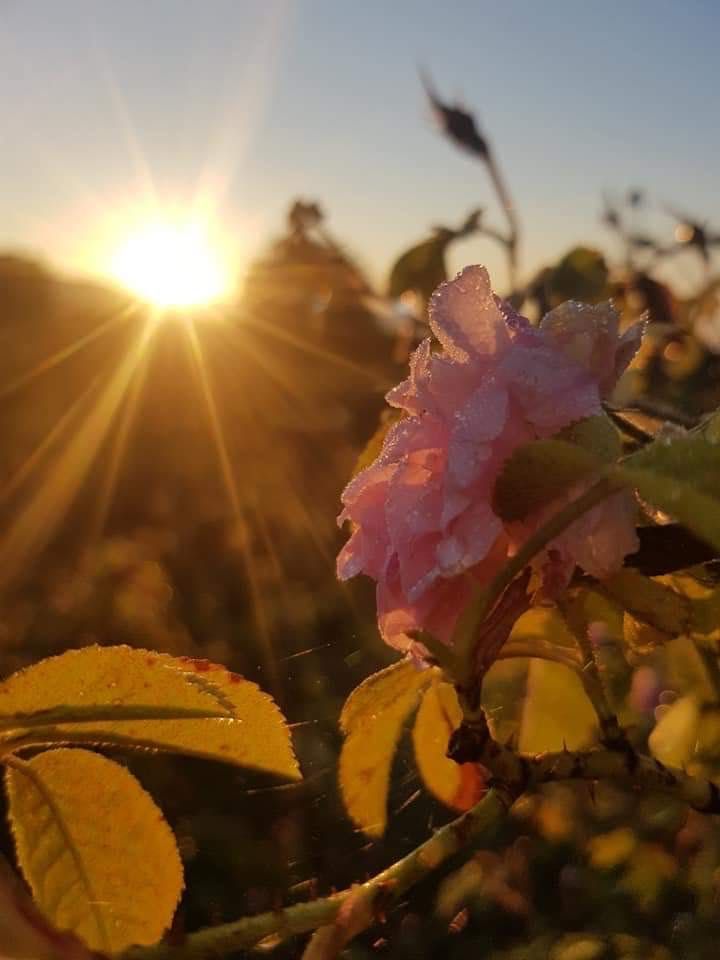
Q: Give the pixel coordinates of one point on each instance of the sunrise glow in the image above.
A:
(172, 265)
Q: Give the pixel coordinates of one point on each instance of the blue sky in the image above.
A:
(249, 103)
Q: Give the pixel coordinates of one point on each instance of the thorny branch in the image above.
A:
(472, 743)
(513, 775)
(466, 832)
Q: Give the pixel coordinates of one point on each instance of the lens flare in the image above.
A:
(172, 265)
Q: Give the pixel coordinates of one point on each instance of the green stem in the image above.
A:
(472, 828)
(602, 489)
(444, 655)
(590, 672)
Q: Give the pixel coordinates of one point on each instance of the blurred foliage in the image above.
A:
(423, 268)
(582, 274)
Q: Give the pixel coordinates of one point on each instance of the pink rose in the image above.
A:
(424, 527)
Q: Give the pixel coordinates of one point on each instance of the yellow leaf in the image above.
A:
(542, 625)
(557, 712)
(96, 851)
(590, 606)
(267, 744)
(503, 696)
(676, 732)
(372, 721)
(254, 733)
(459, 786)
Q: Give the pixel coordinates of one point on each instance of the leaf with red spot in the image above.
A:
(114, 695)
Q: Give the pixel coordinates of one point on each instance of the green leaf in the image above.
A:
(543, 629)
(421, 268)
(582, 274)
(458, 786)
(681, 475)
(372, 720)
(598, 435)
(702, 613)
(253, 732)
(543, 470)
(538, 473)
(650, 601)
(95, 849)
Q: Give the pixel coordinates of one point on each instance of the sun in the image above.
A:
(172, 265)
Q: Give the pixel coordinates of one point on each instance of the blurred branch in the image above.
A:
(513, 776)
(463, 834)
(460, 127)
(689, 233)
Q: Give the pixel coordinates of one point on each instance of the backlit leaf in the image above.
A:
(421, 268)
(503, 696)
(459, 786)
(675, 735)
(96, 851)
(372, 720)
(557, 712)
(254, 733)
